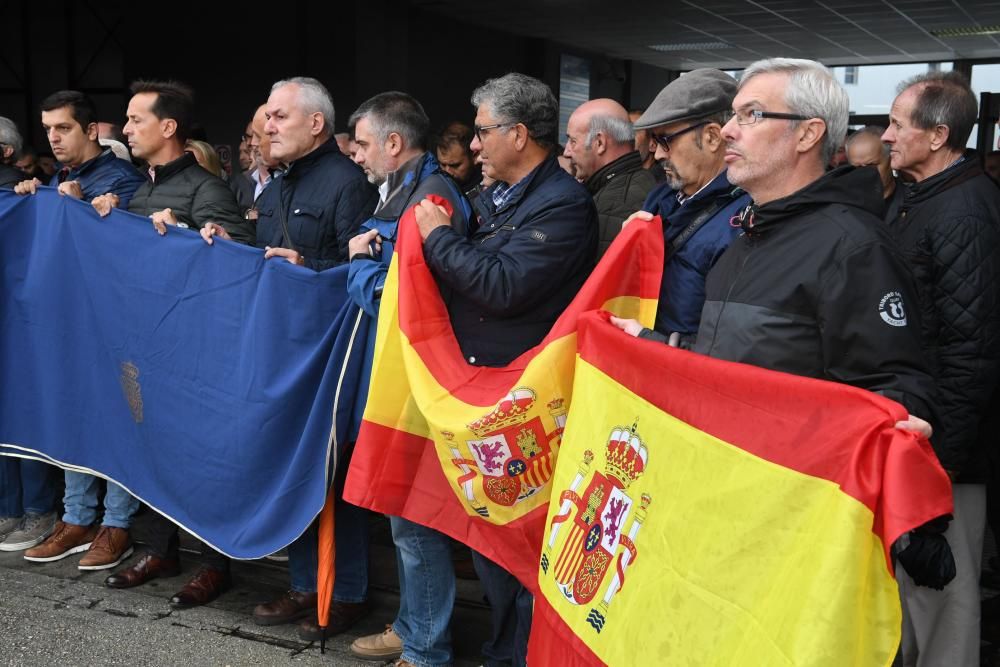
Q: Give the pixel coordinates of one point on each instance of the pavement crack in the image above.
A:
(261, 639)
(94, 603)
(159, 616)
(123, 614)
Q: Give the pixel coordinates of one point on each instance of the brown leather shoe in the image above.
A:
(110, 547)
(66, 539)
(289, 607)
(342, 616)
(207, 584)
(146, 568)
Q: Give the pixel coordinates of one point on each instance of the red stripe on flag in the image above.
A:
(411, 483)
(552, 642)
(766, 413)
(424, 320)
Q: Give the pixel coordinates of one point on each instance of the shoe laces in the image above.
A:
(102, 540)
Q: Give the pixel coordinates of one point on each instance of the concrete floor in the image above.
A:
(54, 614)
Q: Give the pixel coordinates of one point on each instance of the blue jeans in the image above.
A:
(26, 486)
(426, 592)
(510, 610)
(80, 500)
(350, 528)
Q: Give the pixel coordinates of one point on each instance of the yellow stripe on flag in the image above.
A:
(696, 552)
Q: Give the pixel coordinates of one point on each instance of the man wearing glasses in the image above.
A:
(696, 202)
(533, 248)
(812, 286)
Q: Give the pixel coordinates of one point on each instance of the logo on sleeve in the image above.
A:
(891, 309)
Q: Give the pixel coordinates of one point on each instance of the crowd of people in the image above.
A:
(882, 273)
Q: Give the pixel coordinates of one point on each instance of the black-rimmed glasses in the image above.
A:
(751, 116)
(665, 139)
(480, 129)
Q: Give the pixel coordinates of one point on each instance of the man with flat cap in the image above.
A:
(600, 144)
(696, 202)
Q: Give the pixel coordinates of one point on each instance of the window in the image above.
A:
(985, 79)
(574, 88)
(851, 75)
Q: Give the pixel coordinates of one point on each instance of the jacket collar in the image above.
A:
(914, 193)
(304, 163)
(165, 171)
(103, 158)
(625, 164)
(537, 175)
(403, 182)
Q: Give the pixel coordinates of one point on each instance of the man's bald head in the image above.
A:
(260, 141)
(598, 133)
(865, 149)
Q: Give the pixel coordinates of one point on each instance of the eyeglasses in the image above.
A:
(479, 130)
(665, 139)
(751, 116)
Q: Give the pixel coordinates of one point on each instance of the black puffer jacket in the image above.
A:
(814, 287)
(948, 228)
(11, 176)
(195, 197)
(618, 189)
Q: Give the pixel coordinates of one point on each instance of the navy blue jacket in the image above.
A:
(408, 186)
(520, 268)
(682, 291)
(103, 174)
(326, 197)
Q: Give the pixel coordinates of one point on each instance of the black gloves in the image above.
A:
(925, 555)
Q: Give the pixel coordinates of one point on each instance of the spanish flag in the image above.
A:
(711, 513)
(470, 451)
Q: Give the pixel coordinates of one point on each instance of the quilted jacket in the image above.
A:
(619, 189)
(948, 228)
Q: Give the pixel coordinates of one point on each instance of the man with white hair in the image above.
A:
(10, 147)
(601, 147)
(313, 209)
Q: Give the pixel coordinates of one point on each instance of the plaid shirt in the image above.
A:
(503, 192)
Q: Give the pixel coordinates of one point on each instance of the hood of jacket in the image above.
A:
(859, 187)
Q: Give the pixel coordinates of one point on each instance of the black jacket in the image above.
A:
(521, 267)
(619, 189)
(195, 196)
(11, 176)
(814, 287)
(325, 197)
(948, 228)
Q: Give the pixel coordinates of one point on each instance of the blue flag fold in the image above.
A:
(215, 386)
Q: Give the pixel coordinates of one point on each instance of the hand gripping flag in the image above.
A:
(210, 383)
(711, 513)
(468, 450)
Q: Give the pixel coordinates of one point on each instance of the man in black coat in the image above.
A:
(533, 248)
(310, 212)
(948, 228)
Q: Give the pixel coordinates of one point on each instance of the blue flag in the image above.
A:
(215, 386)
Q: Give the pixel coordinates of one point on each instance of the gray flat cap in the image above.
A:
(696, 94)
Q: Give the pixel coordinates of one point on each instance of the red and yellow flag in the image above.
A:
(470, 451)
(711, 513)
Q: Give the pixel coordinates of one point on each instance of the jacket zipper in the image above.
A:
(729, 293)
